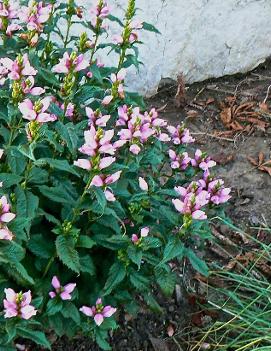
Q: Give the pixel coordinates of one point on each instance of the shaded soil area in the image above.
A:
(230, 119)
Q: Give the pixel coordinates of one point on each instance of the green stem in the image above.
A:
(68, 32)
(75, 214)
(49, 264)
(51, 261)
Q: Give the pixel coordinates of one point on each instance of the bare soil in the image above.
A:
(249, 207)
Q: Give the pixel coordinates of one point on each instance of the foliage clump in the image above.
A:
(97, 195)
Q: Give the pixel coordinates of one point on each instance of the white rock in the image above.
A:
(201, 38)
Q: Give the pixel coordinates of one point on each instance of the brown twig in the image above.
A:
(214, 136)
(253, 168)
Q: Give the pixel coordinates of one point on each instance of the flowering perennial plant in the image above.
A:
(97, 195)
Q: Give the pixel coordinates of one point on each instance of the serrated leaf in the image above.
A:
(166, 281)
(173, 249)
(198, 264)
(116, 275)
(87, 265)
(9, 179)
(71, 311)
(68, 134)
(101, 199)
(38, 176)
(22, 272)
(37, 336)
(57, 194)
(40, 246)
(61, 165)
(135, 254)
(85, 242)
(100, 337)
(67, 253)
(140, 282)
(54, 306)
(27, 203)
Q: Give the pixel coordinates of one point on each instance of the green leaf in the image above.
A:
(140, 282)
(57, 194)
(16, 162)
(152, 303)
(116, 275)
(27, 203)
(85, 242)
(67, 253)
(68, 134)
(37, 336)
(9, 179)
(87, 265)
(61, 165)
(41, 246)
(14, 252)
(100, 337)
(99, 194)
(88, 92)
(54, 306)
(48, 76)
(37, 176)
(71, 311)
(149, 27)
(198, 264)
(173, 249)
(166, 281)
(135, 254)
(151, 243)
(115, 19)
(22, 272)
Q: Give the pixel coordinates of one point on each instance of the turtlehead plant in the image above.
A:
(98, 194)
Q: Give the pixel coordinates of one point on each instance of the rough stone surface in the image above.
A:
(201, 38)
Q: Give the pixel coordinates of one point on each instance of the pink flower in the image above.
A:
(8, 10)
(218, 193)
(180, 135)
(12, 28)
(143, 234)
(35, 15)
(5, 215)
(135, 149)
(98, 312)
(98, 142)
(18, 305)
(37, 111)
(28, 87)
(202, 161)
(143, 184)
(18, 68)
(88, 164)
(191, 204)
(107, 99)
(71, 63)
(1, 153)
(83, 163)
(5, 233)
(103, 180)
(69, 110)
(109, 195)
(96, 118)
(119, 77)
(179, 161)
(64, 292)
(99, 12)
